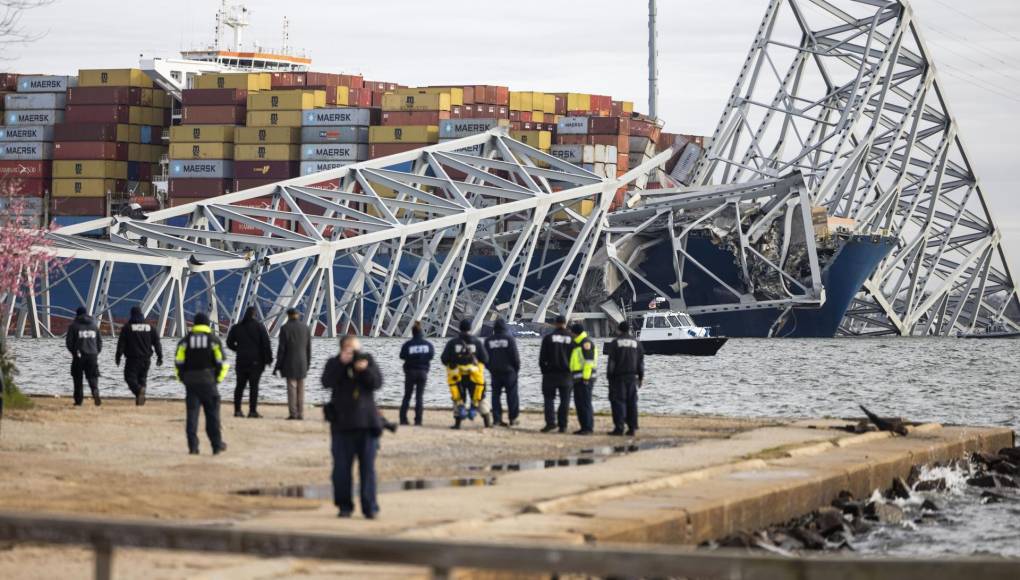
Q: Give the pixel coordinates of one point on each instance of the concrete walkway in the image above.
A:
(683, 495)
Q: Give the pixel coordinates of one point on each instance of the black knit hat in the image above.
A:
(624, 326)
(81, 311)
(465, 325)
(201, 318)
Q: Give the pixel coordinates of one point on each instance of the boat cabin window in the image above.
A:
(675, 322)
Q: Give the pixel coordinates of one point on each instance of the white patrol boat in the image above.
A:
(670, 332)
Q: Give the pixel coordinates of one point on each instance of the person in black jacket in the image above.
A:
(137, 342)
(465, 358)
(250, 340)
(355, 424)
(554, 361)
(504, 365)
(626, 373)
(417, 355)
(84, 343)
(201, 366)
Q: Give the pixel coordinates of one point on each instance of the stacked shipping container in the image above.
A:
(26, 139)
(109, 147)
(202, 148)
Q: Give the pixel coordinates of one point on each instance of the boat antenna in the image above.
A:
(653, 60)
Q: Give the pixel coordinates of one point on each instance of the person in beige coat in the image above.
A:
(293, 359)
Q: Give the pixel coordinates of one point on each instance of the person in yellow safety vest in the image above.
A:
(201, 367)
(465, 358)
(583, 361)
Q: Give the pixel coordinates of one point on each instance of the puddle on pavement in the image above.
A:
(589, 456)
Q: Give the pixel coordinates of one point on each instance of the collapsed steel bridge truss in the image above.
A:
(845, 93)
(476, 227)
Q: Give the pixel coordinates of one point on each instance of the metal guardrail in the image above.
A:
(442, 557)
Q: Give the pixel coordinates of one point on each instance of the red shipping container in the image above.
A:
(25, 169)
(642, 128)
(313, 79)
(359, 97)
(609, 126)
(214, 97)
(492, 112)
(8, 82)
(287, 80)
(103, 150)
(243, 184)
(147, 202)
(26, 187)
(491, 95)
(96, 206)
(97, 114)
(414, 117)
(456, 112)
(381, 86)
(571, 139)
(275, 170)
(621, 142)
(561, 103)
(104, 96)
(352, 81)
(383, 149)
(199, 187)
(247, 229)
(377, 98)
(622, 162)
(221, 115)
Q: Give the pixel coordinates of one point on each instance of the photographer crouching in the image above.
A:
(355, 424)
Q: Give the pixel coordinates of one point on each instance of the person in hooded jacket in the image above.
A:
(504, 365)
(417, 355)
(465, 358)
(137, 342)
(250, 340)
(352, 378)
(293, 359)
(84, 343)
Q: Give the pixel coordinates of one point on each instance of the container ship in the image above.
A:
(222, 119)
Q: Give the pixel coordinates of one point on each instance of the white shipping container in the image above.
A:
(26, 133)
(213, 169)
(46, 84)
(26, 151)
(459, 128)
(572, 126)
(310, 167)
(337, 118)
(334, 152)
(27, 101)
(34, 117)
(576, 154)
(334, 135)
(29, 205)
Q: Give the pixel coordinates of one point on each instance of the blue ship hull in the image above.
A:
(843, 275)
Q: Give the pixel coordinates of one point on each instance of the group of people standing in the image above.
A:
(568, 360)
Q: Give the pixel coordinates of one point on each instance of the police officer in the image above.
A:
(250, 340)
(465, 358)
(582, 368)
(137, 342)
(557, 380)
(417, 355)
(201, 367)
(626, 373)
(504, 365)
(84, 343)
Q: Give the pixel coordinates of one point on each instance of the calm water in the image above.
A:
(948, 380)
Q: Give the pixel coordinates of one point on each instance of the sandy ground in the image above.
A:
(126, 461)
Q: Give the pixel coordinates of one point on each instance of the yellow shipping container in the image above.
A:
(578, 102)
(134, 133)
(202, 151)
(538, 102)
(267, 135)
(121, 77)
(404, 134)
(90, 169)
(148, 98)
(202, 134)
(456, 93)
(524, 101)
(416, 102)
(274, 118)
(537, 139)
(250, 82)
(343, 97)
(135, 152)
(628, 106)
(583, 207)
(267, 152)
(83, 187)
(549, 104)
(286, 100)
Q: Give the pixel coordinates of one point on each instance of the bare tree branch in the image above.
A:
(11, 30)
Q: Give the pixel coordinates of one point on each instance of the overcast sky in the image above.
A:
(596, 46)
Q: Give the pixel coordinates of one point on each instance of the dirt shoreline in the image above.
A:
(122, 460)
